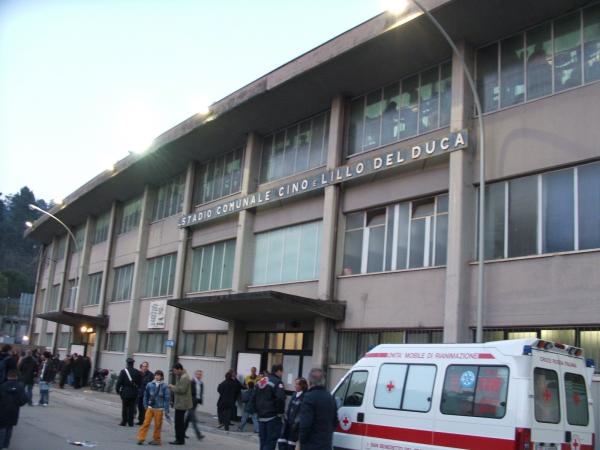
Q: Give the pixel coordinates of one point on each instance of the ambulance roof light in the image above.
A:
(544, 345)
(527, 349)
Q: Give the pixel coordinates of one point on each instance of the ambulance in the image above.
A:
(526, 394)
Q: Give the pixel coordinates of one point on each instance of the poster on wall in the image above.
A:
(157, 313)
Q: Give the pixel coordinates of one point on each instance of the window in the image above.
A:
(415, 105)
(287, 254)
(70, 294)
(152, 343)
(64, 339)
(115, 342)
(350, 346)
(160, 275)
(352, 390)
(576, 397)
(478, 391)
(204, 344)
(122, 286)
(295, 149)
(404, 235)
(130, 216)
(53, 298)
(553, 212)
(94, 285)
(551, 57)
(405, 386)
(546, 395)
(212, 266)
(79, 237)
(100, 233)
(219, 177)
(49, 337)
(61, 246)
(169, 198)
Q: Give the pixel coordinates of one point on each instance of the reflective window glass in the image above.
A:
(558, 221)
(487, 77)
(512, 71)
(588, 178)
(429, 100)
(546, 395)
(591, 43)
(522, 217)
(539, 61)
(567, 52)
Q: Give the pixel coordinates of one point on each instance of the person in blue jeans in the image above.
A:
(27, 372)
(248, 413)
(268, 402)
(46, 379)
(12, 397)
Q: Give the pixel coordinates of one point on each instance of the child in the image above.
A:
(156, 400)
(12, 397)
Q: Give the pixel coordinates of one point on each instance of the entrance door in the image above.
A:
(291, 370)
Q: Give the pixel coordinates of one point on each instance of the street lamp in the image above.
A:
(77, 249)
(398, 8)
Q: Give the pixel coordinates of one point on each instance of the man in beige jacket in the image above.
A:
(182, 389)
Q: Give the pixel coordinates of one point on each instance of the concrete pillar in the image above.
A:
(36, 290)
(244, 245)
(331, 200)
(47, 288)
(174, 323)
(61, 290)
(460, 212)
(139, 270)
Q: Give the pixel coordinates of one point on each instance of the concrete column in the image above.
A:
(36, 290)
(174, 323)
(331, 200)
(460, 212)
(83, 264)
(48, 286)
(244, 245)
(61, 290)
(139, 270)
(100, 333)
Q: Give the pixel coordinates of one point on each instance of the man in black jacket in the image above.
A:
(27, 373)
(197, 399)
(12, 397)
(318, 415)
(269, 404)
(127, 387)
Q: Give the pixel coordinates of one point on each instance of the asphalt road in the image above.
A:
(49, 428)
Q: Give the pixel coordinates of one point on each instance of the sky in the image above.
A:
(83, 82)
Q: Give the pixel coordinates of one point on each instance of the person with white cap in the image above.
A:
(127, 387)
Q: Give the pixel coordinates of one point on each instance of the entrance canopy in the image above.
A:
(74, 319)
(260, 306)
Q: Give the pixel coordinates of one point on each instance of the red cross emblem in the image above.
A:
(576, 399)
(345, 423)
(390, 386)
(576, 444)
(547, 395)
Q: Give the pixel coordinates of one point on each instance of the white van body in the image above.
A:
(526, 394)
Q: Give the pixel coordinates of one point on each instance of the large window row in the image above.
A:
(115, 342)
(279, 341)
(160, 275)
(415, 105)
(586, 338)
(169, 198)
(130, 216)
(212, 266)
(203, 344)
(349, 346)
(52, 304)
(287, 254)
(551, 212)
(100, 233)
(218, 177)
(94, 285)
(405, 235)
(122, 283)
(548, 58)
(295, 149)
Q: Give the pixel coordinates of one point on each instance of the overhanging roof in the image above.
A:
(74, 319)
(261, 306)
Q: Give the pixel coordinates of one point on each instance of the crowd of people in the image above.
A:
(308, 421)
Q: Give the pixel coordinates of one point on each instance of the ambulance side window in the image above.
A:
(577, 400)
(478, 391)
(355, 391)
(405, 386)
(546, 396)
(340, 393)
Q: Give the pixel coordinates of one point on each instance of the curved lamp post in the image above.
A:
(77, 248)
(401, 7)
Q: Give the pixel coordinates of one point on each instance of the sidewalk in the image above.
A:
(111, 405)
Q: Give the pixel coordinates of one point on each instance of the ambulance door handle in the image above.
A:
(567, 436)
(360, 417)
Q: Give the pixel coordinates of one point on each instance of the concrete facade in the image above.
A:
(540, 293)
